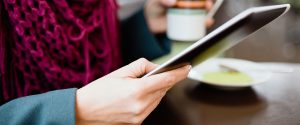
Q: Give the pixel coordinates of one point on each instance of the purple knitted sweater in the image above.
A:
(55, 44)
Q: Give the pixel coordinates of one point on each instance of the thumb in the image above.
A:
(168, 3)
(135, 69)
(166, 79)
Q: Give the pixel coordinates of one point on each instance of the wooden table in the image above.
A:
(275, 102)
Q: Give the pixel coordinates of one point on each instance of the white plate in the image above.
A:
(244, 66)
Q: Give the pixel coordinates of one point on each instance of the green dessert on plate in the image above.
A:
(227, 78)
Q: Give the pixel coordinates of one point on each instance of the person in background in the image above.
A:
(63, 45)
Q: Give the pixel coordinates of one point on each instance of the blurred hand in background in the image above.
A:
(155, 13)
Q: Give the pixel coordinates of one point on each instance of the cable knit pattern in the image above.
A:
(58, 44)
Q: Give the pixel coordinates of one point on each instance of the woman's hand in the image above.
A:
(121, 97)
(155, 13)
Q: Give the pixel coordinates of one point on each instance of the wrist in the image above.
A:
(80, 120)
(155, 19)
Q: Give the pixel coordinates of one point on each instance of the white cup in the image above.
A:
(188, 25)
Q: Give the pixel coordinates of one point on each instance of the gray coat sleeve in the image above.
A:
(51, 108)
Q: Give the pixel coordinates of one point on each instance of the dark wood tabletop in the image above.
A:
(274, 102)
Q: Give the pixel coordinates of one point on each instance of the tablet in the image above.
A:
(226, 36)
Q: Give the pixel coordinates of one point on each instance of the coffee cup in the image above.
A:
(186, 20)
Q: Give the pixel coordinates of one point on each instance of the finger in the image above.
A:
(209, 4)
(168, 3)
(150, 108)
(135, 69)
(152, 103)
(160, 24)
(166, 79)
(209, 22)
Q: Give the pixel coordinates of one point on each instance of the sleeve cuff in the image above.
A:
(61, 109)
(55, 108)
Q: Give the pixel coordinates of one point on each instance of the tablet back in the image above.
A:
(226, 36)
